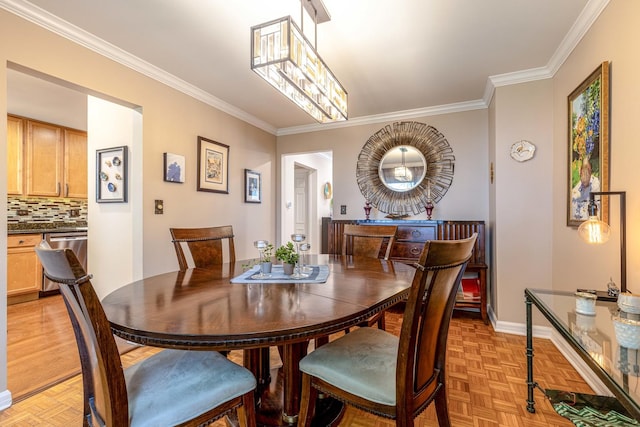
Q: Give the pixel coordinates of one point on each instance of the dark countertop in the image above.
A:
(45, 227)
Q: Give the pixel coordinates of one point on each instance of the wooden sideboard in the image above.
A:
(410, 239)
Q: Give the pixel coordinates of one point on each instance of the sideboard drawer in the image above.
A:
(406, 250)
(416, 233)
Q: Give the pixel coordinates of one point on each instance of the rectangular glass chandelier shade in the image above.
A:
(282, 56)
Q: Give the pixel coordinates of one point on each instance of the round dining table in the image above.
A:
(202, 309)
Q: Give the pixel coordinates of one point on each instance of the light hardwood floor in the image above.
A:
(486, 374)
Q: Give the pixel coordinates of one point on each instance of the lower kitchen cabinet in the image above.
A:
(24, 271)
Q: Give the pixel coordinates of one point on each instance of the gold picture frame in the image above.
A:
(588, 140)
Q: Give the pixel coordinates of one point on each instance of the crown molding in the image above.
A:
(40, 17)
(587, 17)
(77, 35)
(387, 117)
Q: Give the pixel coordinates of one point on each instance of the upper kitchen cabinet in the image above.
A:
(55, 160)
(45, 159)
(15, 155)
(75, 164)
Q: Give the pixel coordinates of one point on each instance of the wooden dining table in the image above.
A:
(201, 309)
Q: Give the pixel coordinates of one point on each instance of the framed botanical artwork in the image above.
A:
(213, 166)
(174, 168)
(111, 175)
(588, 145)
(252, 186)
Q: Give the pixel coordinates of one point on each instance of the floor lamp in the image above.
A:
(597, 232)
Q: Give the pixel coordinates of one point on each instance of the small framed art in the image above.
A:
(252, 186)
(213, 166)
(174, 168)
(111, 179)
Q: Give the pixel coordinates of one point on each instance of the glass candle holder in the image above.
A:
(304, 249)
(261, 245)
(298, 238)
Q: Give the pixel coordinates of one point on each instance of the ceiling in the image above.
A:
(396, 58)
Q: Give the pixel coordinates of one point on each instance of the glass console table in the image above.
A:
(593, 338)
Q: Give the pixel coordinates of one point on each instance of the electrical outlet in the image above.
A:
(343, 209)
(159, 207)
(22, 212)
(74, 213)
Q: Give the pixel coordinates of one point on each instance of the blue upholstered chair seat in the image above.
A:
(362, 363)
(174, 386)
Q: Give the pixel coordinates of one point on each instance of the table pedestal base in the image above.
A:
(269, 410)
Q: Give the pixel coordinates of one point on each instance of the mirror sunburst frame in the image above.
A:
(440, 163)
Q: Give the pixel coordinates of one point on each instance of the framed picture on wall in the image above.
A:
(588, 145)
(213, 166)
(252, 186)
(174, 167)
(111, 171)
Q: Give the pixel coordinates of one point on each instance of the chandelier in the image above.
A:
(284, 57)
(402, 173)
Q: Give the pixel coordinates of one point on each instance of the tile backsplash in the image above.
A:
(43, 210)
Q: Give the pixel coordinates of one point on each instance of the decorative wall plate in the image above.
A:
(522, 151)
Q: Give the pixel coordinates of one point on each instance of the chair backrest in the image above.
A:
(425, 325)
(105, 391)
(204, 244)
(368, 240)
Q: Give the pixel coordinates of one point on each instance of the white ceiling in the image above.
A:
(396, 58)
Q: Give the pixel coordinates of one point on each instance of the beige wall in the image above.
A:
(522, 208)
(525, 207)
(171, 123)
(612, 38)
(466, 132)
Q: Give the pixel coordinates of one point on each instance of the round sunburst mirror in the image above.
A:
(403, 166)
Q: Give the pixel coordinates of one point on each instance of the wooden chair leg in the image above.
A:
(246, 412)
(307, 402)
(441, 408)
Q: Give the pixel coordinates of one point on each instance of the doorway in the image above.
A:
(303, 176)
(301, 200)
(105, 122)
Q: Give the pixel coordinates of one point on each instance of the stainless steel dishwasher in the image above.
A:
(74, 240)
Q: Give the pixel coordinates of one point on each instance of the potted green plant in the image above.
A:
(288, 255)
(265, 259)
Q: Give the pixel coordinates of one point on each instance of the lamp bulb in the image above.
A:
(594, 231)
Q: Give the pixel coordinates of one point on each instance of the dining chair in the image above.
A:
(369, 240)
(390, 376)
(204, 245)
(172, 387)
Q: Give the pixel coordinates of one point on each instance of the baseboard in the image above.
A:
(561, 344)
(5, 400)
(579, 364)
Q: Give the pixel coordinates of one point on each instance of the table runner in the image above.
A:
(319, 274)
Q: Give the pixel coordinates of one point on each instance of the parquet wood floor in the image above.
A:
(486, 384)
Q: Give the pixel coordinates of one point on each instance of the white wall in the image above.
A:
(322, 164)
(115, 229)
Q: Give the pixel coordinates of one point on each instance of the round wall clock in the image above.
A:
(522, 151)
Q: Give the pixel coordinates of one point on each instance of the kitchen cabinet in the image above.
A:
(15, 155)
(24, 271)
(75, 164)
(55, 161)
